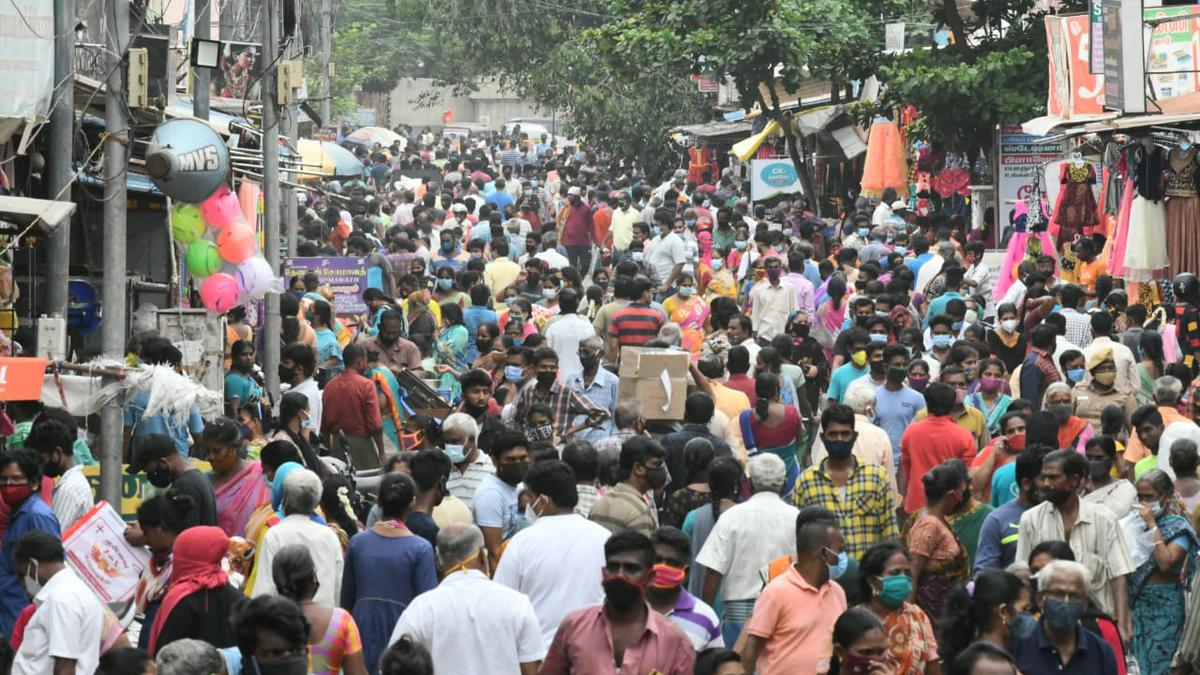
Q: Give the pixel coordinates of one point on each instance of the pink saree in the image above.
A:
(238, 498)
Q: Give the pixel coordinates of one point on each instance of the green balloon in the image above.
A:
(186, 223)
(202, 258)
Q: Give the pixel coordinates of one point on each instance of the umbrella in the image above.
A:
(333, 159)
(372, 135)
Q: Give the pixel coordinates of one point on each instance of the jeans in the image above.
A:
(580, 257)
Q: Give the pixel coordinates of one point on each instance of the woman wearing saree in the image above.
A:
(1073, 432)
(237, 481)
(1157, 587)
(387, 388)
(939, 558)
(688, 309)
(831, 315)
(451, 349)
(885, 579)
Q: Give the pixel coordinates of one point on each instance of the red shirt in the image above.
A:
(577, 230)
(635, 325)
(350, 403)
(743, 383)
(583, 646)
(924, 445)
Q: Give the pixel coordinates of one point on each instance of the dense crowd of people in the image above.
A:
(882, 466)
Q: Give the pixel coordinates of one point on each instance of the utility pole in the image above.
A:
(272, 324)
(117, 139)
(201, 76)
(326, 61)
(225, 28)
(292, 129)
(62, 135)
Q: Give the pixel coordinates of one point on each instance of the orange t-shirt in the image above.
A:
(796, 621)
(1087, 273)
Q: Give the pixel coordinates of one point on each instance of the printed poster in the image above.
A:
(97, 551)
(345, 276)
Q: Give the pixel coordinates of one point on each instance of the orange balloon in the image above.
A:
(236, 242)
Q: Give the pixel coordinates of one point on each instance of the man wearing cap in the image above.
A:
(576, 232)
(898, 221)
(1100, 390)
(157, 457)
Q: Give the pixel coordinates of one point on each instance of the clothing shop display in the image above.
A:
(1075, 211)
(1183, 210)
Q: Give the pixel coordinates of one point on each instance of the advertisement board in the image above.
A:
(1074, 89)
(1174, 49)
(345, 276)
(1019, 157)
(771, 178)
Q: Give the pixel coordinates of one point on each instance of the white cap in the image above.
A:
(899, 204)
(574, 190)
(458, 208)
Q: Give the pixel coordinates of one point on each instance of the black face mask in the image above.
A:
(512, 473)
(589, 362)
(160, 477)
(52, 469)
(546, 379)
(286, 375)
(621, 593)
(1099, 468)
(483, 345)
(878, 368)
(474, 410)
(656, 477)
(292, 665)
(800, 330)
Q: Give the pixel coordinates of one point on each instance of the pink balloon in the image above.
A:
(236, 243)
(219, 293)
(222, 209)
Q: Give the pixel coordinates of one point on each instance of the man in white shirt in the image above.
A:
(555, 561)
(566, 331)
(772, 301)
(1016, 292)
(745, 541)
(550, 253)
(54, 442)
(63, 635)
(669, 254)
(297, 362)
(980, 279)
(884, 210)
(469, 623)
(301, 494)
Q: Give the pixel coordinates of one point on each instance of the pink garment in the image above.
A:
(1120, 239)
(1016, 249)
(1170, 340)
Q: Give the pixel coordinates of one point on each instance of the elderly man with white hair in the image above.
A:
(460, 439)
(1161, 431)
(1059, 644)
(745, 540)
(469, 623)
(872, 444)
(300, 525)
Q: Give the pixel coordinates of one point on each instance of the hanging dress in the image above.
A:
(1075, 211)
(1146, 250)
(1183, 211)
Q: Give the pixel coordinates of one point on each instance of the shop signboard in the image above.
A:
(1096, 35)
(27, 58)
(1019, 156)
(345, 276)
(1124, 81)
(1073, 89)
(771, 178)
(1174, 35)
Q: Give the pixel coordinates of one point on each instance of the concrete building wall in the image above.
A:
(489, 103)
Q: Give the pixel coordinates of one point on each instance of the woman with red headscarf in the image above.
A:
(199, 601)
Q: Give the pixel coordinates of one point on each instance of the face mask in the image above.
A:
(456, 452)
(445, 284)
(1061, 411)
(286, 375)
(918, 383)
(542, 432)
(1016, 442)
(667, 577)
(589, 362)
(773, 274)
(512, 473)
(1075, 375)
(689, 223)
(740, 244)
(514, 374)
(52, 469)
(686, 291)
(1099, 468)
(292, 665)
(956, 326)
(483, 345)
(1009, 325)
(547, 379)
(656, 477)
(1062, 616)
(942, 341)
(1022, 626)
(621, 592)
(837, 570)
(801, 330)
(859, 358)
(656, 231)
(717, 264)
(447, 247)
(896, 374)
(990, 385)
(160, 477)
(549, 293)
(879, 338)
(1156, 509)
(15, 495)
(246, 431)
(531, 514)
(895, 590)
(531, 249)
(637, 256)
(900, 249)
(32, 585)
(1105, 379)
(839, 449)
(864, 231)
(861, 664)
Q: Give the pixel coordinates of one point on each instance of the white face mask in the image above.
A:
(531, 514)
(1009, 325)
(32, 585)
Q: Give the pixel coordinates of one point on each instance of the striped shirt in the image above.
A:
(635, 325)
(463, 484)
(697, 620)
(565, 402)
(72, 497)
(623, 508)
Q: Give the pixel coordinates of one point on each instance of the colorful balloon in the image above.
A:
(202, 258)
(219, 293)
(255, 277)
(187, 223)
(222, 209)
(236, 242)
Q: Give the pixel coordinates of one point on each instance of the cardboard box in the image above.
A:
(642, 378)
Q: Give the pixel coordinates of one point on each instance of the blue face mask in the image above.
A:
(1075, 375)
(740, 244)
(686, 291)
(1022, 626)
(942, 341)
(864, 231)
(836, 571)
(879, 337)
(900, 249)
(445, 284)
(638, 256)
(956, 326)
(456, 453)
(690, 223)
(656, 231)
(717, 264)
(514, 374)
(447, 247)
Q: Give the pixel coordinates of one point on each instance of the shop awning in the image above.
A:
(1105, 123)
(745, 149)
(24, 211)
(852, 144)
(715, 129)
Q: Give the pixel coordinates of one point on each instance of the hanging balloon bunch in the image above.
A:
(189, 162)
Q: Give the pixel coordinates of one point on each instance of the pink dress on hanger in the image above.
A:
(1120, 238)
(1019, 248)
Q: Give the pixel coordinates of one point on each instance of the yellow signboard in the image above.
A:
(133, 488)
